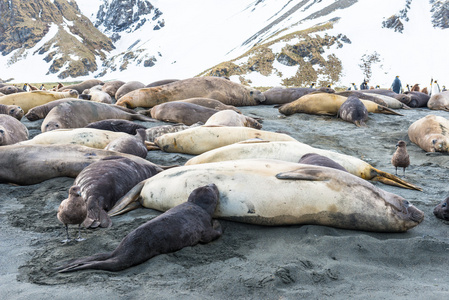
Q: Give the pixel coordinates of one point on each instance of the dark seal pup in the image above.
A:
(400, 157)
(441, 211)
(184, 225)
(116, 125)
(104, 182)
(353, 110)
(72, 210)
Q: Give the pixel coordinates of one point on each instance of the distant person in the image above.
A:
(364, 85)
(396, 86)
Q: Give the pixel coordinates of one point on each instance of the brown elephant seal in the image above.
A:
(327, 104)
(154, 132)
(72, 210)
(161, 82)
(32, 99)
(96, 96)
(12, 131)
(439, 101)
(104, 182)
(48, 161)
(274, 192)
(185, 225)
(232, 118)
(401, 97)
(80, 87)
(320, 160)
(364, 96)
(79, 113)
(211, 103)
(117, 125)
(430, 133)
(41, 111)
(111, 87)
(134, 145)
(226, 91)
(280, 95)
(417, 99)
(12, 110)
(354, 111)
(181, 112)
(400, 157)
(127, 88)
(8, 89)
(441, 211)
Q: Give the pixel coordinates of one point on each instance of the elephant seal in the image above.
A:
(127, 88)
(32, 99)
(280, 95)
(417, 99)
(104, 182)
(441, 211)
(354, 111)
(97, 96)
(181, 112)
(226, 91)
(365, 96)
(8, 89)
(72, 210)
(439, 101)
(211, 103)
(48, 161)
(320, 160)
(185, 225)
(41, 111)
(111, 87)
(161, 82)
(401, 97)
(400, 157)
(154, 132)
(430, 133)
(274, 192)
(292, 151)
(79, 113)
(117, 125)
(200, 139)
(12, 110)
(130, 144)
(327, 104)
(232, 118)
(90, 137)
(80, 87)
(12, 131)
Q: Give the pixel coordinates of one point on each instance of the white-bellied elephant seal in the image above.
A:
(232, 118)
(430, 133)
(32, 99)
(274, 192)
(439, 101)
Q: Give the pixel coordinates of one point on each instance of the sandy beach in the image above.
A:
(247, 261)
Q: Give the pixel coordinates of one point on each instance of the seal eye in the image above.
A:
(444, 204)
(1, 131)
(434, 141)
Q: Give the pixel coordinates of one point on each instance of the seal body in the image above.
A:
(272, 192)
(41, 111)
(130, 144)
(200, 139)
(79, 113)
(111, 87)
(117, 125)
(185, 225)
(8, 89)
(354, 111)
(401, 97)
(418, 99)
(441, 211)
(211, 103)
(12, 110)
(320, 160)
(29, 100)
(154, 132)
(226, 91)
(80, 87)
(104, 182)
(182, 112)
(12, 131)
(161, 82)
(430, 133)
(127, 88)
(99, 96)
(439, 101)
(232, 118)
(280, 95)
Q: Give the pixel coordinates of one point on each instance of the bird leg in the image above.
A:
(79, 239)
(67, 232)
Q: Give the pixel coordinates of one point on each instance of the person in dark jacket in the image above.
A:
(396, 86)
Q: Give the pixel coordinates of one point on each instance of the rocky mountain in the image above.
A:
(256, 42)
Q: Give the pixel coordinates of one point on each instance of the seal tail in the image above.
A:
(151, 146)
(128, 201)
(141, 117)
(386, 110)
(393, 180)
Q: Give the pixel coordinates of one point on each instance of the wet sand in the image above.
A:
(248, 261)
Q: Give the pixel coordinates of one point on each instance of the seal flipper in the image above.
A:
(99, 261)
(304, 174)
(127, 200)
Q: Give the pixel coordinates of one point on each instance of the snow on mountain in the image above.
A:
(181, 39)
